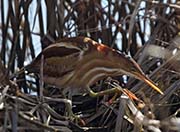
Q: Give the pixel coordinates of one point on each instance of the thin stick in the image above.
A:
(41, 78)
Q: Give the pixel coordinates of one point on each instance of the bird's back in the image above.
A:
(69, 62)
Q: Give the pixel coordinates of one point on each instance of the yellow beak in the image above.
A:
(149, 82)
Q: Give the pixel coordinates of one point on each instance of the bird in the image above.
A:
(79, 62)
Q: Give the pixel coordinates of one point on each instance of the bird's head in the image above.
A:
(127, 65)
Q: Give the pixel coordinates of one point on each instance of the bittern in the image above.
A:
(79, 62)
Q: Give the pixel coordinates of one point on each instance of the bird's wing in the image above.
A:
(60, 58)
(61, 49)
(63, 54)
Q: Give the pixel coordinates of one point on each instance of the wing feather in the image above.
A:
(60, 50)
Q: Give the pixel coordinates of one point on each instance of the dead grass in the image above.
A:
(148, 30)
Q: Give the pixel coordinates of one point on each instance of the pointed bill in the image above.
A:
(150, 83)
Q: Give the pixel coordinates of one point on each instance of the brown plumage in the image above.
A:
(79, 62)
